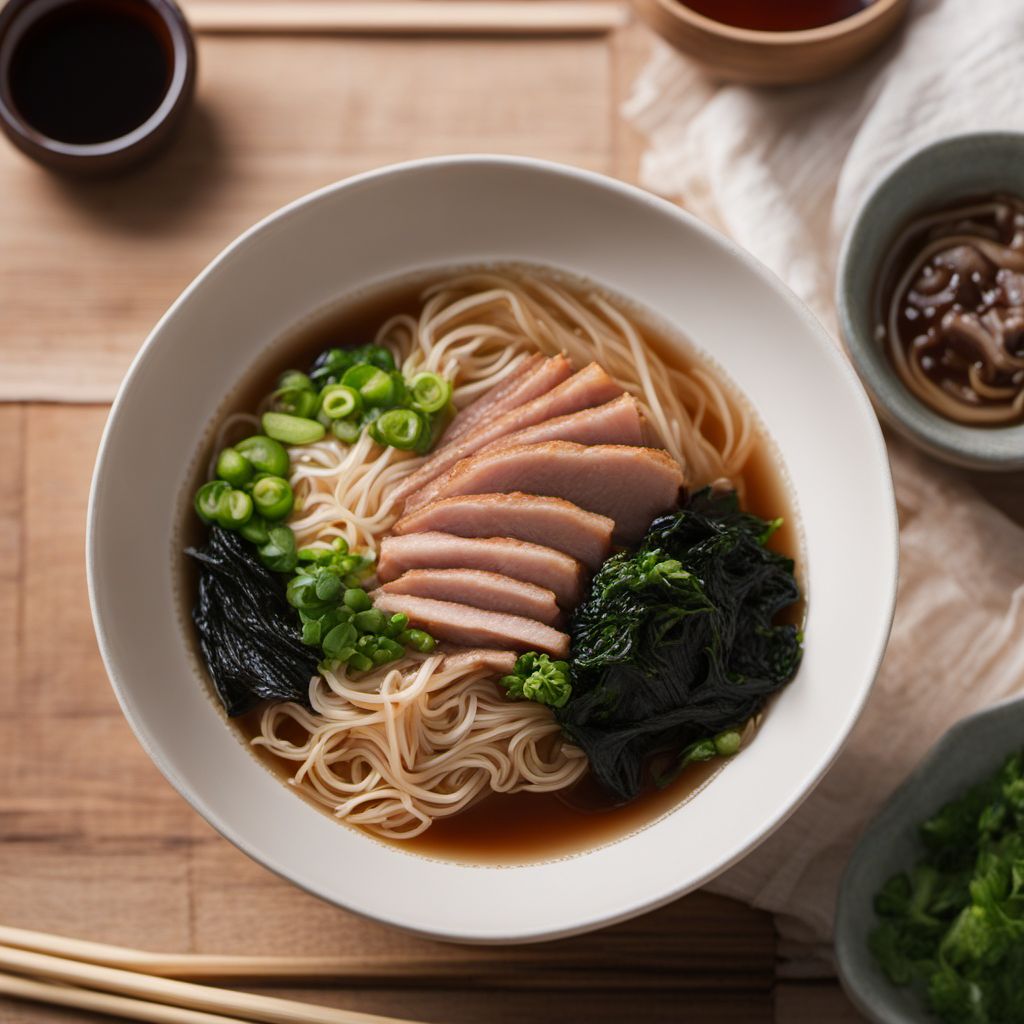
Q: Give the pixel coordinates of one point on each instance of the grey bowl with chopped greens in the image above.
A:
(933, 896)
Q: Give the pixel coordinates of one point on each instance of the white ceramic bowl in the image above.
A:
(452, 211)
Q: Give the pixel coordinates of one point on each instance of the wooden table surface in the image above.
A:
(93, 842)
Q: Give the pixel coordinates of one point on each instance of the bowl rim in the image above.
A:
(955, 443)
(680, 10)
(888, 525)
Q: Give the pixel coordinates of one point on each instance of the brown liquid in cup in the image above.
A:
(89, 71)
(777, 15)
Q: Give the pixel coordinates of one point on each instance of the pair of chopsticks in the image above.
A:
(144, 987)
(409, 17)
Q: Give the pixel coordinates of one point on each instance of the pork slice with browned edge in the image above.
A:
(589, 387)
(488, 590)
(473, 627)
(627, 484)
(538, 519)
(534, 376)
(533, 563)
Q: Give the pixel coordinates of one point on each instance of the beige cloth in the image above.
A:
(782, 171)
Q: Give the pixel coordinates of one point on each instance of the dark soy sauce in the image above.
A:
(504, 828)
(777, 15)
(90, 71)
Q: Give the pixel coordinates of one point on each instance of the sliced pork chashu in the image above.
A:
(487, 590)
(499, 662)
(615, 422)
(473, 627)
(627, 484)
(591, 386)
(532, 563)
(534, 376)
(539, 519)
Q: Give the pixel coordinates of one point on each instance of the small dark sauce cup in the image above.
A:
(92, 86)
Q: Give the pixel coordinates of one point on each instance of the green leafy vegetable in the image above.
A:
(676, 646)
(536, 677)
(954, 926)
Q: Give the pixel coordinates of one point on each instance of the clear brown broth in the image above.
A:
(511, 828)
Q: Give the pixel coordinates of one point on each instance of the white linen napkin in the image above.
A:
(782, 171)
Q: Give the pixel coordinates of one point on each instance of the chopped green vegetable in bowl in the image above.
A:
(953, 926)
(536, 677)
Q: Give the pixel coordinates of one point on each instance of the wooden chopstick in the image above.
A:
(180, 994)
(409, 17)
(103, 1002)
(192, 965)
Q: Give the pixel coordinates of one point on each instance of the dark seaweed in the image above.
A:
(676, 642)
(250, 636)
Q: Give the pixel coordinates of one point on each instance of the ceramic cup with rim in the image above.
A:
(772, 58)
(169, 25)
(934, 176)
(455, 212)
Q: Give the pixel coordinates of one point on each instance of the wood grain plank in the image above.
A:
(629, 49)
(812, 1002)
(87, 267)
(12, 558)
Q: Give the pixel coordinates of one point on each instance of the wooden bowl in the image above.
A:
(771, 58)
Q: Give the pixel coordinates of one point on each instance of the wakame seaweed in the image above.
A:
(676, 642)
(250, 636)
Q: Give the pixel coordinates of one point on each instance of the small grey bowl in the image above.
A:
(977, 163)
(972, 750)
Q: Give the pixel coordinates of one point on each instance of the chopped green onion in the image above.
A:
(396, 625)
(376, 386)
(234, 467)
(255, 531)
(278, 554)
(291, 429)
(234, 510)
(265, 454)
(273, 497)
(295, 379)
(295, 402)
(728, 743)
(208, 499)
(346, 431)
(328, 586)
(400, 428)
(360, 662)
(340, 637)
(416, 638)
(430, 392)
(370, 621)
(357, 599)
(339, 401)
